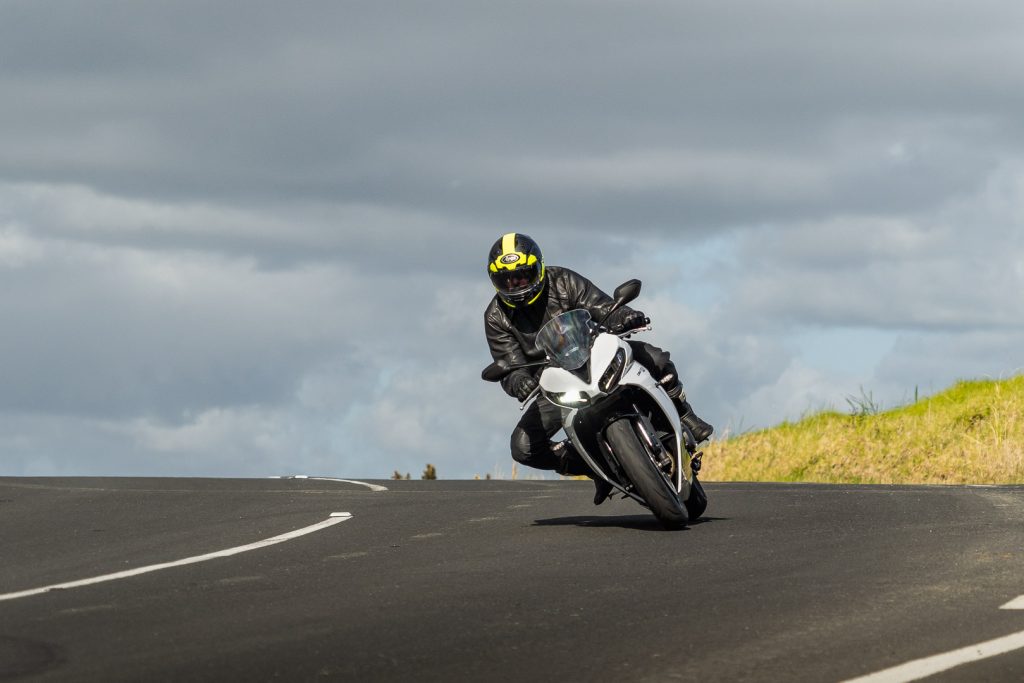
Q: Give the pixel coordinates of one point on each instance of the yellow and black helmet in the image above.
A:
(516, 267)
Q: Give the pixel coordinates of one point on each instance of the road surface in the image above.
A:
(168, 579)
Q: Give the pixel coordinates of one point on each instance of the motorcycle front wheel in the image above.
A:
(640, 467)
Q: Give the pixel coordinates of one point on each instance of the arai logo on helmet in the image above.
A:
(509, 258)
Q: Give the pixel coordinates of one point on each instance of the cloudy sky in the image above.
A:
(243, 238)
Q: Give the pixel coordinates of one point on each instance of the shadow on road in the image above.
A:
(638, 522)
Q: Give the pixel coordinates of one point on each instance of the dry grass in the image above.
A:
(972, 433)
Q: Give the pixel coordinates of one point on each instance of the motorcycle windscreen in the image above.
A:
(566, 339)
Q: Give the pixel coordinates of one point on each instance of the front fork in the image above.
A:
(599, 470)
(677, 467)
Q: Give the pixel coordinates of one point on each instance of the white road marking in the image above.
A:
(921, 668)
(1016, 603)
(335, 518)
(372, 487)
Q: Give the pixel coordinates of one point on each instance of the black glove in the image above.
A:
(631, 321)
(522, 385)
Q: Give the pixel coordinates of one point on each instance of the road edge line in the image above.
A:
(335, 518)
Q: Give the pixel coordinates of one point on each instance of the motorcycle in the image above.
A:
(618, 416)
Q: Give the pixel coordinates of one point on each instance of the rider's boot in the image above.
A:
(700, 429)
(571, 464)
(602, 490)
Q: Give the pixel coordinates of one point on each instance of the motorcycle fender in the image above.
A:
(568, 424)
(639, 377)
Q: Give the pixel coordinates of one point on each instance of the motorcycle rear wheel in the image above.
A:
(641, 469)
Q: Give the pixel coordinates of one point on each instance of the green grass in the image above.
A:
(972, 433)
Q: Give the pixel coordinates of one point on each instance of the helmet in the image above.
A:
(516, 267)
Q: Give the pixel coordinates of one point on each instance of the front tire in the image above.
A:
(650, 483)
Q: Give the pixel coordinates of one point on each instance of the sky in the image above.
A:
(245, 238)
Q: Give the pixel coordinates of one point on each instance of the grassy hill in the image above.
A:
(972, 433)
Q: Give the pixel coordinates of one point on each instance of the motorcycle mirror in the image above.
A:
(626, 292)
(496, 371)
(623, 294)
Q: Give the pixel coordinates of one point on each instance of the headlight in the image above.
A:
(614, 372)
(569, 399)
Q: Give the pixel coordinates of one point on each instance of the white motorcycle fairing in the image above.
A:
(572, 393)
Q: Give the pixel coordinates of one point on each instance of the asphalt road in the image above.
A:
(501, 580)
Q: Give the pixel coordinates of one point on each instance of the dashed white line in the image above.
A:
(335, 518)
(1016, 603)
(921, 668)
(929, 666)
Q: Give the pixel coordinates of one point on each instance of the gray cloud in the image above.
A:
(528, 113)
(953, 268)
(105, 332)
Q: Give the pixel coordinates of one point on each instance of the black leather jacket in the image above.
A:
(512, 332)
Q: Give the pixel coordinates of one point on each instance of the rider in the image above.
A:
(528, 296)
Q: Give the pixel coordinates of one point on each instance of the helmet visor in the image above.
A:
(516, 281)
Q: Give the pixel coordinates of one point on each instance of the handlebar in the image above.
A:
(625, 334)
(629, 333)
(529, 399)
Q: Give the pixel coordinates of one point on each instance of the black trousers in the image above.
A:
(531, 439)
